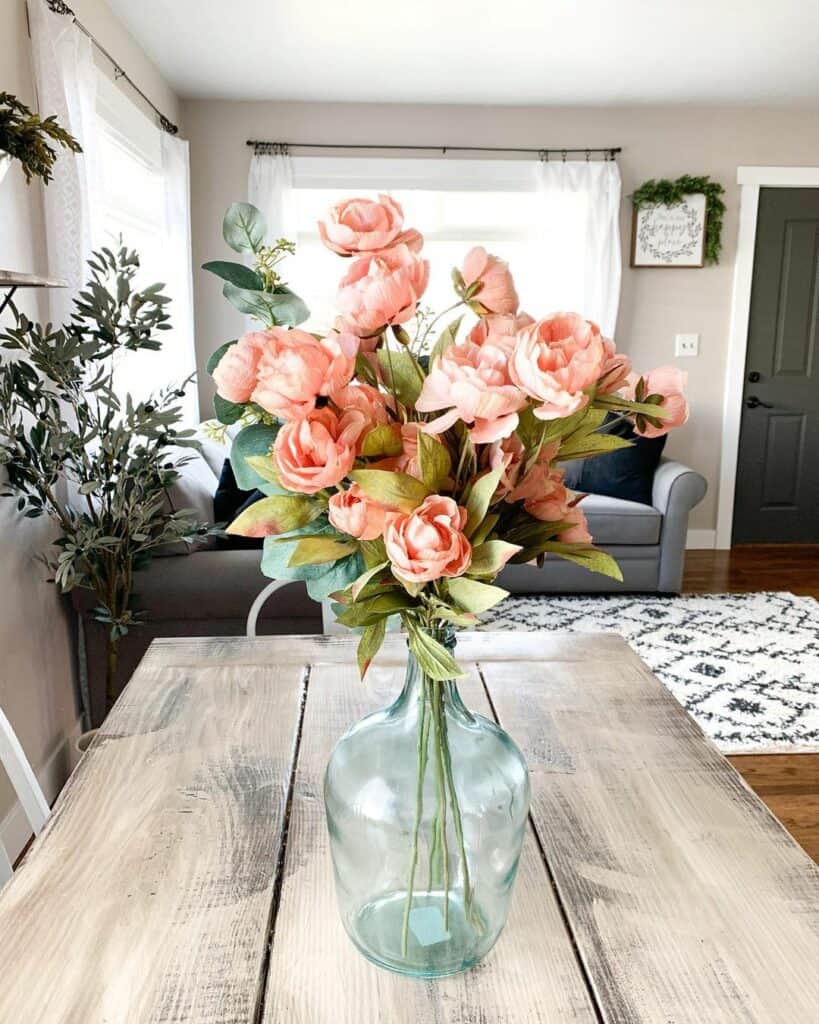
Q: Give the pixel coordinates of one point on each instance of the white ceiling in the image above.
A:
(761, 52)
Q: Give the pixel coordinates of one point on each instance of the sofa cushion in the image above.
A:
(617, 521)
(626, 473)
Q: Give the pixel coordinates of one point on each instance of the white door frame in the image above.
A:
(750, 180)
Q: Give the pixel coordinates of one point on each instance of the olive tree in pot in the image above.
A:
(27, 137)
(98, 463)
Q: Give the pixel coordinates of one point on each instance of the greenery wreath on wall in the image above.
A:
(669, 193)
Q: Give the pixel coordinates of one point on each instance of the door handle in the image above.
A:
(753, 402)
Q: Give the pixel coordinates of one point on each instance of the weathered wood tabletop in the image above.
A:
(185, 873)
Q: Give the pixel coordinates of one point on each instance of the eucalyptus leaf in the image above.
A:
(237, 273)
(227, 412)
(274, 309)
(216, 356)
(254, 440)
(244, 227)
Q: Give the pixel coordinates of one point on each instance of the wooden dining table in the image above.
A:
(184, 875)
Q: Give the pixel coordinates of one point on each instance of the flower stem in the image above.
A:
(441, 793)
(423, 737)
(456, 818)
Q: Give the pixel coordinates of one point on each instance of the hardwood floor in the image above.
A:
(788, 783)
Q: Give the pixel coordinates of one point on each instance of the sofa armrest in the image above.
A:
(676, 490)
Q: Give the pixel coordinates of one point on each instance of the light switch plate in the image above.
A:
(687, 345)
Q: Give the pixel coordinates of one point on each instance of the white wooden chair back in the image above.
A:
(259, 603)
(25, 785)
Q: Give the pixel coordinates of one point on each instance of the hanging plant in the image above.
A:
(26, 137)
(669, 193)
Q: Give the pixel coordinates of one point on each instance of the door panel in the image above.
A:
(777, 493)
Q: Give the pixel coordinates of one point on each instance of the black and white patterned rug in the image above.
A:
(745, 666)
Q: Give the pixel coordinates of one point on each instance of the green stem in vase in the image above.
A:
(440, 790)
(456, 818)
(423, 740)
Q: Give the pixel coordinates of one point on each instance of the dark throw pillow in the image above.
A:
(627, 473)
(228, 501)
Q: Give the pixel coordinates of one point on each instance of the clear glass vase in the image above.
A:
(426, 807)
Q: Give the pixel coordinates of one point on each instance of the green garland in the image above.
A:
(668, 193)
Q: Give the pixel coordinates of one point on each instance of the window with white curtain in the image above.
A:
(131, 207)
(543, 222)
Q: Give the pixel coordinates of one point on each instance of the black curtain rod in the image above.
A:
(544, 153)
(58, 7)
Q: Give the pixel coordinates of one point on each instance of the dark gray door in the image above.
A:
(777, 492)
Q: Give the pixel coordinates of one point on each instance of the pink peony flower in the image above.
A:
(365, 226)
(543, 493)
(382, 289)
(555, 360)
(669, 382)
(472, 381)
(407, 461)
(616, 369)
(316, 451)
(368, 402)
(499, 330)
(508, 456)
(578, 533)
(352, 512)
(429, 542)
(497, 292)
(295, 368)
(235, 373)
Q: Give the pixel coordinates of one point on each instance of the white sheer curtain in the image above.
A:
(270, 188)
(178, 349)
(66, 86)
(595, 188)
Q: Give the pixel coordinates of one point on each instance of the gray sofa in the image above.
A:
(208, 592)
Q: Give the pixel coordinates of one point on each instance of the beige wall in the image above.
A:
(37, 689)
(657, 142)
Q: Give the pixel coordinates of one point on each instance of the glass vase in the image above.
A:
(427, 806)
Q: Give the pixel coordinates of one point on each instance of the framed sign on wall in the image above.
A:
(670, 235)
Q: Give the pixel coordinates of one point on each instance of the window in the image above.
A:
(456, 204)
(131, 207)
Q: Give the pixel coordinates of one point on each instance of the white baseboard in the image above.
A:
(15, 831)
(703, 539)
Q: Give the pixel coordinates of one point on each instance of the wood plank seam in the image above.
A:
(275, 902)
(578, 956)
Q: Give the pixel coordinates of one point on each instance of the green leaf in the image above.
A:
(398, 490)
(447, 337)
(588, 556)
(382, 441)
(370, 643)
(585, 446)
(236, 273)
(364, 371)
(274, 515)
(445, 613)
(365, 613)
(365, 578)
(435, 660)
(244, 227)
(473, 596)
(255, 440)
(216, 356)
(274, 309)
(337, 576)
(489, 558)
(480, 495)
(318, 550)
(374, 552)
(616, 404)
(486, 527)
(434, 461)
(278, 551)
(403, 375)
(227, 412)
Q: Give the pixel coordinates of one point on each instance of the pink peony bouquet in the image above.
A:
(405, 464)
